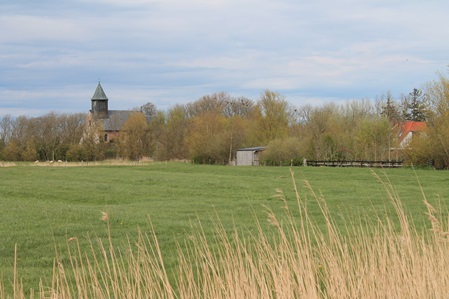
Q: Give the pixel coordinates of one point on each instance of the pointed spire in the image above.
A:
(100, 102)
(99, 93)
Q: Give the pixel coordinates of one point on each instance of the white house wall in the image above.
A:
(245, 158)
(407, 139)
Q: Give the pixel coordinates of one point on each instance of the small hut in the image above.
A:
(249, 155)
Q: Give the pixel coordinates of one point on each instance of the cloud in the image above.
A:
(175, 51)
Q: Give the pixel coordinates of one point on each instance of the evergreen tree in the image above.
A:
(417, 108)
(390, 110)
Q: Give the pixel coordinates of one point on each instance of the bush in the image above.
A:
(283, 152)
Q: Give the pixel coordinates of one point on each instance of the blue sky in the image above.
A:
(52, 52)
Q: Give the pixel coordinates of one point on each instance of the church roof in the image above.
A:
(99, 93)
(116, 119)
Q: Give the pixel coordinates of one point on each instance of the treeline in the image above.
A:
(210, 129)
(45, 138)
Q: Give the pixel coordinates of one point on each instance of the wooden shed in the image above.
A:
(249, 155)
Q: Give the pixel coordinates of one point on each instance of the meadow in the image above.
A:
(46, 211)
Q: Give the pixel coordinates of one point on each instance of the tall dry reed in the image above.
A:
(296, 258)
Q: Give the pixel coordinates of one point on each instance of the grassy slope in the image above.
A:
(44, 206)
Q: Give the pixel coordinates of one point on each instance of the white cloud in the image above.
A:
(175, 51)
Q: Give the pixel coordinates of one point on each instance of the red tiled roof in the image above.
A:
(411, 126)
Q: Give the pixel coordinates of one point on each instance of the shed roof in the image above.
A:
(256, 148)
(99, 94)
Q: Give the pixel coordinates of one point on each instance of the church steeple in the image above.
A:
(99, 102)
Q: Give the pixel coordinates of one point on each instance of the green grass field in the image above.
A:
(43, 207)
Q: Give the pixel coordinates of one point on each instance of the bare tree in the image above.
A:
(149, 109)
(238, 107)
(213, 103)
(6, 124)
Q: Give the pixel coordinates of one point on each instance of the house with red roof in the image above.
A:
(409, 129)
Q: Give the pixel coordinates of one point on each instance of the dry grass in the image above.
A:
(7, 164)
(296, 259)
(114, 162)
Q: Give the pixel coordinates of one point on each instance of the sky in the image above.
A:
(53, 53)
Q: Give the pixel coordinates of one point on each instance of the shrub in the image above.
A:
(284, 151)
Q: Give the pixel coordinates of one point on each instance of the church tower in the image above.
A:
(100, 103)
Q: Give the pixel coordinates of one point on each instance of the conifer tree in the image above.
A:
(417, 108)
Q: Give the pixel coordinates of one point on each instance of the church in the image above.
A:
(111, 120)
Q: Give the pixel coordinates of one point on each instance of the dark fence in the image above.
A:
(372, 164)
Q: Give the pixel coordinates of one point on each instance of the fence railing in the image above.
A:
(372, 164)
